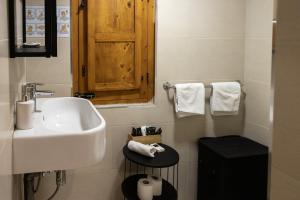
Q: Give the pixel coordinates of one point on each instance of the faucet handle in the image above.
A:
(34, 86)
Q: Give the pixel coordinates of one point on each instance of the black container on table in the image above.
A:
(232, 168)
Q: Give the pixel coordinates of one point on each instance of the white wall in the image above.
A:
(12, 74)
(257, 70)
(196, 40)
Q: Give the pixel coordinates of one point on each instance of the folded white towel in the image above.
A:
(142, 149)
(189, 99)
(225, 99)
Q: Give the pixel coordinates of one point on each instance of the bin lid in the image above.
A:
(234, 146)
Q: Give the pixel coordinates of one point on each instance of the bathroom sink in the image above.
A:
(68, 133)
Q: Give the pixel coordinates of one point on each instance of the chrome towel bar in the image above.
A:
(168, 86)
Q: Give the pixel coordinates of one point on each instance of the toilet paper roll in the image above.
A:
(145, 189)
(157, 185)
(24, 114)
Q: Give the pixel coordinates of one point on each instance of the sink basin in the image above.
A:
(68, 133)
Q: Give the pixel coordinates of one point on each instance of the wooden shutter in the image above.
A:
(117, 40)
(113, 50)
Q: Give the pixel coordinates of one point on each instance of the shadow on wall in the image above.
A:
(17, 78)
(190, 129)
(230, 125)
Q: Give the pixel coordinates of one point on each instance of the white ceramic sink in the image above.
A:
(69, 133)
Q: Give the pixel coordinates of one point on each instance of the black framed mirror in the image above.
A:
(24, 49)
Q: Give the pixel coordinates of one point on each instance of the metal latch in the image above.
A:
(83, 70)
(147, 78)
(83, 4)
(86, 95)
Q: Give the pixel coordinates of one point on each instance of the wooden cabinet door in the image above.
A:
(117, 44)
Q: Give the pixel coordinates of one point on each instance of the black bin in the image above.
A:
(232, 168)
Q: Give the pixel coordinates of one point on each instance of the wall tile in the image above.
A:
(119, 136)
(258, 133)
(158, 113)
(284, 186)
(287, 93)
(258, 103)
(208, 59)
(259, 16)
(52, 70)
(258, 60)
(3, 22)
(193, 181)
(60, 90)
(215, 18)
(258, 70)
(6, 184)
(286, 152)
(87, 186)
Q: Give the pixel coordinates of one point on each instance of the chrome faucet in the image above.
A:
(30, 90)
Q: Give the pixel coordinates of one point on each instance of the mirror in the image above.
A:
(39, 21)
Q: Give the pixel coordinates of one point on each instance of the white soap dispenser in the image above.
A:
(24, 111)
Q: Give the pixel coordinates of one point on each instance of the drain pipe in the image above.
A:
(60, 181)
(29, 185)
(29, 179)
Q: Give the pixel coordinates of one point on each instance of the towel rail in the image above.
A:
(168, 86)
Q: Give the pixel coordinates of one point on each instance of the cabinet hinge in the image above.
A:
(83, 4)
(83, 70)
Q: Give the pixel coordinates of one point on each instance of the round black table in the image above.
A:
(167, 159)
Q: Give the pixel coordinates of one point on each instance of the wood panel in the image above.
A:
(151, 49)
(114, 16)
(75, 45)
(115, 21)
(115, 66)
(118, 50)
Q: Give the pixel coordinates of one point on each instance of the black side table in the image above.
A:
(167, 159)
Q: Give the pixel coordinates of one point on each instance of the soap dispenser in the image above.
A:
(24, 110)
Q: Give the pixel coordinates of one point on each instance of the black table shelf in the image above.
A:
(167, 159)
(129, 188)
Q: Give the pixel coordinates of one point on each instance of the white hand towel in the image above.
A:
(225, 99)
(189, 99)
(142, 149)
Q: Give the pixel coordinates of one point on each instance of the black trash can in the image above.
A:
(232, 168)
